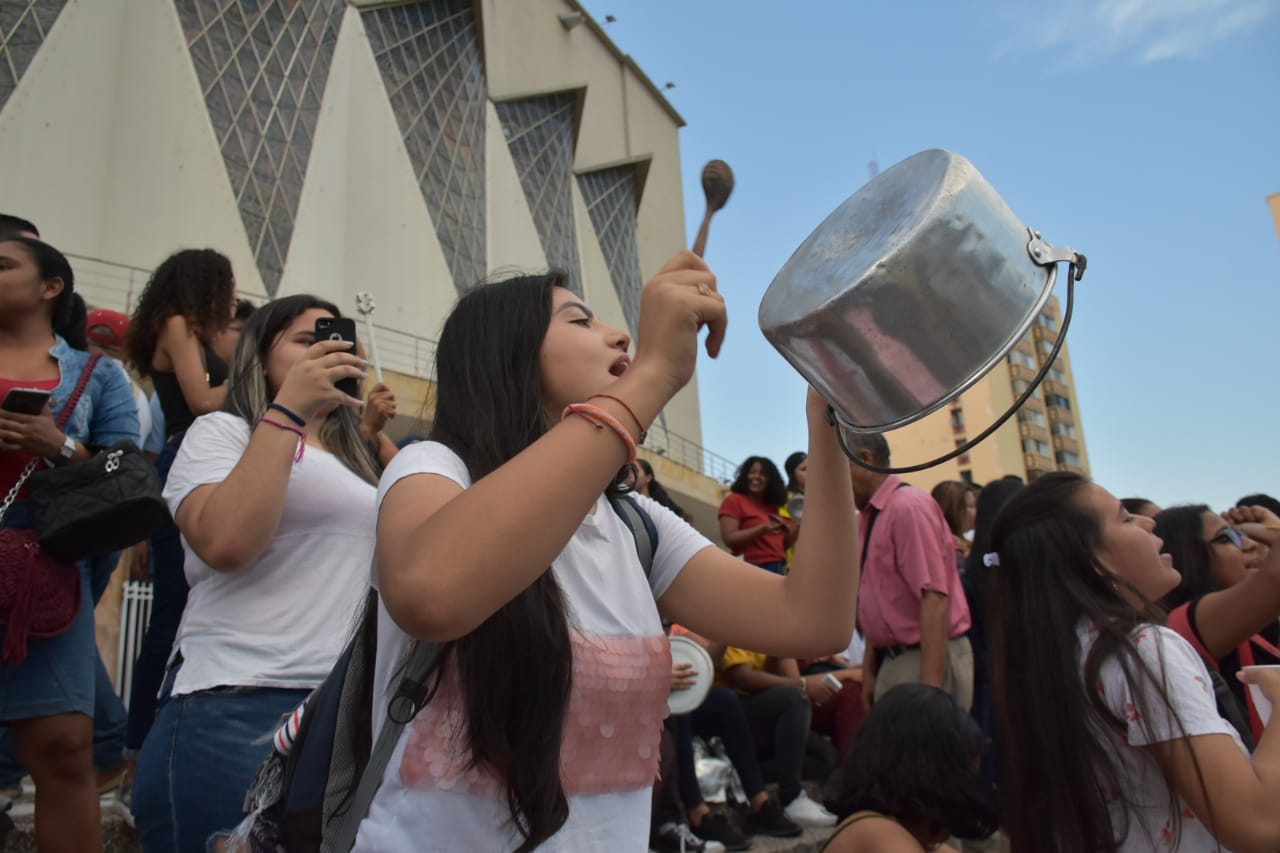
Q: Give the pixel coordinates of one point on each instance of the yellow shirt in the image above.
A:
(734, 656)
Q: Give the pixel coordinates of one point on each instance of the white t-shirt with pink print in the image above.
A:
(1151, 824)
(430, 801)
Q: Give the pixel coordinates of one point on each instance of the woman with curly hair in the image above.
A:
(750, 524)
(185, 307)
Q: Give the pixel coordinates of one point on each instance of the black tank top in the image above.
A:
(177, 414)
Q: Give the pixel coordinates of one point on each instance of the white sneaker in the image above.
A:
(806, 812)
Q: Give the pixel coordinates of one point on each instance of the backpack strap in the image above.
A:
(641, 527)
(340, 834)
(1180, 621)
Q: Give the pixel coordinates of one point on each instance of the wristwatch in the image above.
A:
(68, 449)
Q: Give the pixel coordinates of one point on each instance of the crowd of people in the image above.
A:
(1037, 664)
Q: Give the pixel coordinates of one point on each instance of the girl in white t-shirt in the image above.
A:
(274, 496)
(1111, 737)
(495, 539)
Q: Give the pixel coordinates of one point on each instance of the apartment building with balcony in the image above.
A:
(1045, 435)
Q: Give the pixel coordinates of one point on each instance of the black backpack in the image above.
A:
(313, 799)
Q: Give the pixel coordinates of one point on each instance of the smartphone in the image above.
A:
(340, 329)
(832, 681)
(26, 401)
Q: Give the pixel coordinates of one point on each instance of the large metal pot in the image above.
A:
(909, 292)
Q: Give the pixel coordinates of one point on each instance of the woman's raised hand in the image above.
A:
(676, 304)
(308, 387)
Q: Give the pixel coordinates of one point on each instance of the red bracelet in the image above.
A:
(644, 433)
(302, 436)
(601, 419)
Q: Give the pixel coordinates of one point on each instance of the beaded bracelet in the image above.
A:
(644, 433)
(302, 436)
(601, 419)
(288, 413)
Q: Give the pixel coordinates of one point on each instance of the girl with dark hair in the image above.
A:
(751, 525)
(47, 693)
(646, 484)
(274, 496)
(495, 538)
(974, 578)
(911, 780)
(1227, 604)
(959, 503)
(797, 468)
(181, 314)
(1129, 753)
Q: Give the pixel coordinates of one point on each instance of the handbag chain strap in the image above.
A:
(17, 488)
(63, 417)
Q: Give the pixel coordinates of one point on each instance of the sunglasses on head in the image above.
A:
(1230, 536)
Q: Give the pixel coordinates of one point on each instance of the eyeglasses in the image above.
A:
(1230, 536)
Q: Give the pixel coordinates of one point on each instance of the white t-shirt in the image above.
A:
(282, 620)
(1151, 825)
(621, 677)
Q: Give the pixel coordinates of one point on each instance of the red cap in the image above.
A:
(107, 328)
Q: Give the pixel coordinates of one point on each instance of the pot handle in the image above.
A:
(1045, 255)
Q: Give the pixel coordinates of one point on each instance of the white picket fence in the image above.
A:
(135, 614)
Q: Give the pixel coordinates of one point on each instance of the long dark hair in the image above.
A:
(194, 283)
(951, 496)
(69, 314)
(915, 759)
(248, 393)
(1182, 529)
(775, 490)
(1058, 772)
(515, 669)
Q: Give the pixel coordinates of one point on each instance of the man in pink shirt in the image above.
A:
(911, 606)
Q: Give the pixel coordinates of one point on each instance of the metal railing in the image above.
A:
(107, 284)
(135, 615)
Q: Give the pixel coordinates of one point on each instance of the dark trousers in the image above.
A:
(169, 598)
(720, 715)
(789, 751)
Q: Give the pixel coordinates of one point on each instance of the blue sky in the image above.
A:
(1144, 133)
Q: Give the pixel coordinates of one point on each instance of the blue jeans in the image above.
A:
(108, 711)
(169, 598)
(199, 760)
(778, 567)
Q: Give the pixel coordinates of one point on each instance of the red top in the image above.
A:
(766, 548)
(911, 551)
(12, 463)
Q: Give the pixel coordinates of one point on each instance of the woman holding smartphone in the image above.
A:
(274, 496)
(750, 523)
(184, 309)
(47, 699)
(496, 539)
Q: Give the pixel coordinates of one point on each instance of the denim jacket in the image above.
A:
(107, 411)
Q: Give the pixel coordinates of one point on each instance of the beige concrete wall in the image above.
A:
(117, 152)
(513, 242)
(528, 52)
(362, 223)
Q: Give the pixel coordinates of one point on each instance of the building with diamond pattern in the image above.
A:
(408, 149)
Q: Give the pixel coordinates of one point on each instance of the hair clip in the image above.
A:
(991, 559)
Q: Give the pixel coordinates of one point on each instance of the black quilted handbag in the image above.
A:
(91, 508)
